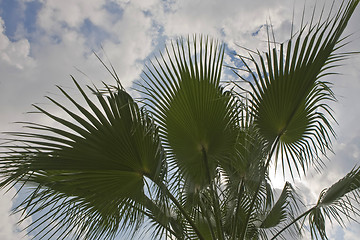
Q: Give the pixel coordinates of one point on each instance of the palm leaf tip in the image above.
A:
(350, 183)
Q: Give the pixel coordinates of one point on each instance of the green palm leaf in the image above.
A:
(196, 116)
(96, 166)
(281, 213)
(339, 202)
(289, 99)
(281, 210)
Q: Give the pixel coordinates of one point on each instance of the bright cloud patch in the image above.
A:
(14, 53)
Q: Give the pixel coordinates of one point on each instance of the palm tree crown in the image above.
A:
(191, 158)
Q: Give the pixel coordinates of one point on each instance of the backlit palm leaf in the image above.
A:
(339, 202)
(289, 99)
(95, 168)
(283, 211)
(195, 114)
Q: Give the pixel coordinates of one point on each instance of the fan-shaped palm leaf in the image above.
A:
(289, 99)
(196, 116)
(95, 167)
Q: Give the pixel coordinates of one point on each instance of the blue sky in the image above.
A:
(42, 42)
(17, 15)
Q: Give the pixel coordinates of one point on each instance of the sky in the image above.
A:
(43, 42)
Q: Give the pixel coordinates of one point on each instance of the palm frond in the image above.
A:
(290, 99)
(94, 164)
(195, 114)
(337, 203)
(282, 212)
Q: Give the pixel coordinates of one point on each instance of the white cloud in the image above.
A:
(135, 33)
(9, 230)
(14, 53)
(352, 232)
(232, 21)
(54, 14)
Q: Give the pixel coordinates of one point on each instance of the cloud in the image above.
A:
(15, 54)
(61, 46)
(54, 15)
(352, 232)
(9, 229)
(241, 22)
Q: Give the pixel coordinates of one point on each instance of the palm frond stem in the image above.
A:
(215, 198)
(294, 221)
(155, 209)
(262, 175)
(241, 190)
(204, 210)
(167, 192)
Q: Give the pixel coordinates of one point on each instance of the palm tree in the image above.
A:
(191, 158)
